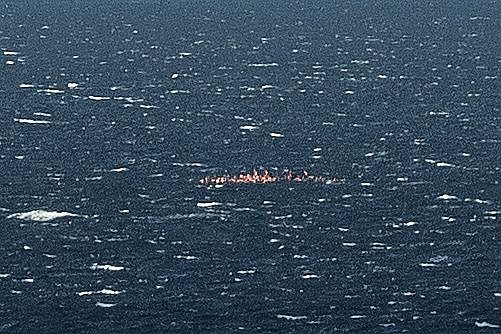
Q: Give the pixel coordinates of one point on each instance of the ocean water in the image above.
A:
(111, 111)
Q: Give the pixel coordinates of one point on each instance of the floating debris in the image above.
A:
(265, 176)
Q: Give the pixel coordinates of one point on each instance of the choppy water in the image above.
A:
(111, 112)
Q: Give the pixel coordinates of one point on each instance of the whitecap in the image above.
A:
(310, 276)
(31, 121)
(439, 258)
(276, 134)
(98, 98)
(291, 317)
(10, 53)
(358, 316)
(482, 201)
(444, 164)
(42, 114)
(186, 257)
(101, 292)
(42, 215)
(189, 164)
(485, 324)
(245, 272)
(109, 292)
(118, 170)
(248, 127)
(425, 265)
(262, 64)
(444, 287)
(191, 215)
(208, 204)
(180, 91)
(85, 293)
(107, 267)
(52, 91)
(99, 304)
(447, 197)
(297, 256)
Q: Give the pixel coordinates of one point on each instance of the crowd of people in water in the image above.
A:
(265, 177)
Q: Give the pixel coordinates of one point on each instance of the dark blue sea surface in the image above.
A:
(111, 111)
